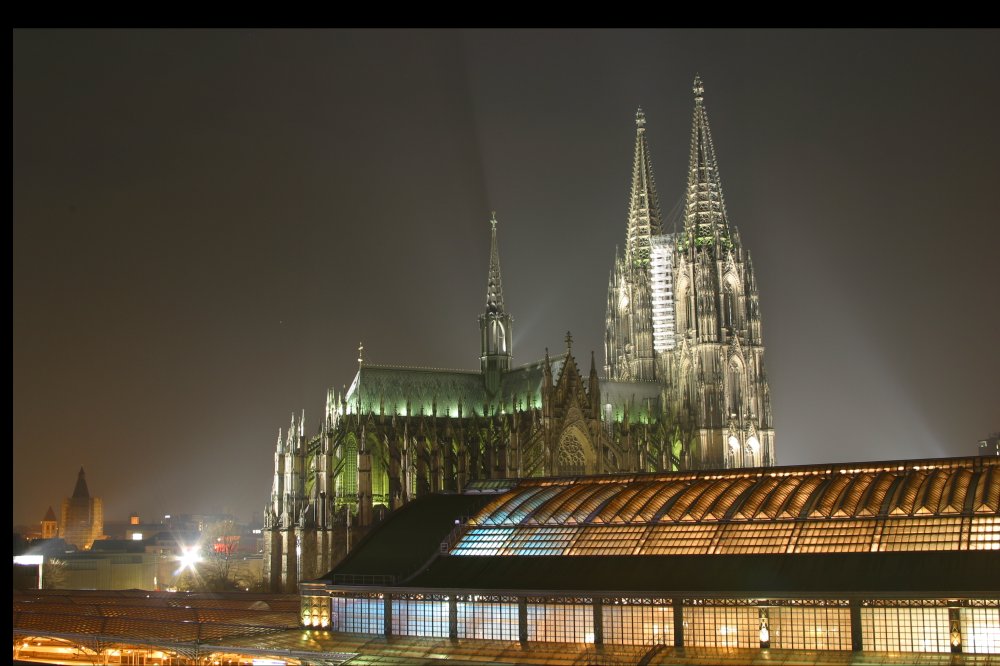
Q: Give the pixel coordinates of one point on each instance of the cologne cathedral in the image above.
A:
(684, 387)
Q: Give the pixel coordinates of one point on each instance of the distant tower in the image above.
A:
(495, 323)
(82, 516)
(50, 526)
(717, 369)
(628, 340)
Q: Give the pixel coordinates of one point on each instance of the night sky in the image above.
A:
(207, 223)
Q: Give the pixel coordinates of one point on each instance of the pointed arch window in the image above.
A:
(734, 451)
(685, 315)
(347, 482)
(499, 336)
(727, 308)
(732, 318)
(734, 393)
(753, 452)
(688, 374)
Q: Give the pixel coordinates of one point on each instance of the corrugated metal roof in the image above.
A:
(941, 504)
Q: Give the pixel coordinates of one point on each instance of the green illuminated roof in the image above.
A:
(389, 389)
(410, 391)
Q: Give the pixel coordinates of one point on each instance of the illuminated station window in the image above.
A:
(859, 514)
(491, 618)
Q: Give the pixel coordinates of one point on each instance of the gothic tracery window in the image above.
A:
(684, 315)
(735, 393)
(499, 336)
(570, 456)
(727, 309)
(347, 481)
(732, 318)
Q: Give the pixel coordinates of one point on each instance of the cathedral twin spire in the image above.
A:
(644, 218)
(705, 209)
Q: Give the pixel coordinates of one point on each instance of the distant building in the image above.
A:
(110, 565)
(143, 627)
(50, 526)
(990, 446)
(122, 529)
(82, 520)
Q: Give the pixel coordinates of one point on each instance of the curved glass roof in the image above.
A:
(942, 504)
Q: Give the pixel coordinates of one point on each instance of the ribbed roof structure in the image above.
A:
(943, 504)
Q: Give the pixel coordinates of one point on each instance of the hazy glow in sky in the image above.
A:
(206, 224)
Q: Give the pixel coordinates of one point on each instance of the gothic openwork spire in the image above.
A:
(494, 288)
(705, 208)
(495, 323)
(644, 219)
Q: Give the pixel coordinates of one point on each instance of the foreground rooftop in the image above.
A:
(110, 627)
(833, 560)
(891, 526)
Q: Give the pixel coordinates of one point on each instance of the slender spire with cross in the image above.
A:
(494, 286)
(495, 323)
(705, 208)
(644, 218)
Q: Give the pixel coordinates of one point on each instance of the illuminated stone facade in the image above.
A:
(683, 310)
(680, 393)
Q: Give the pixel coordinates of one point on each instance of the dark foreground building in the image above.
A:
(867, 563)
(895, 556)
